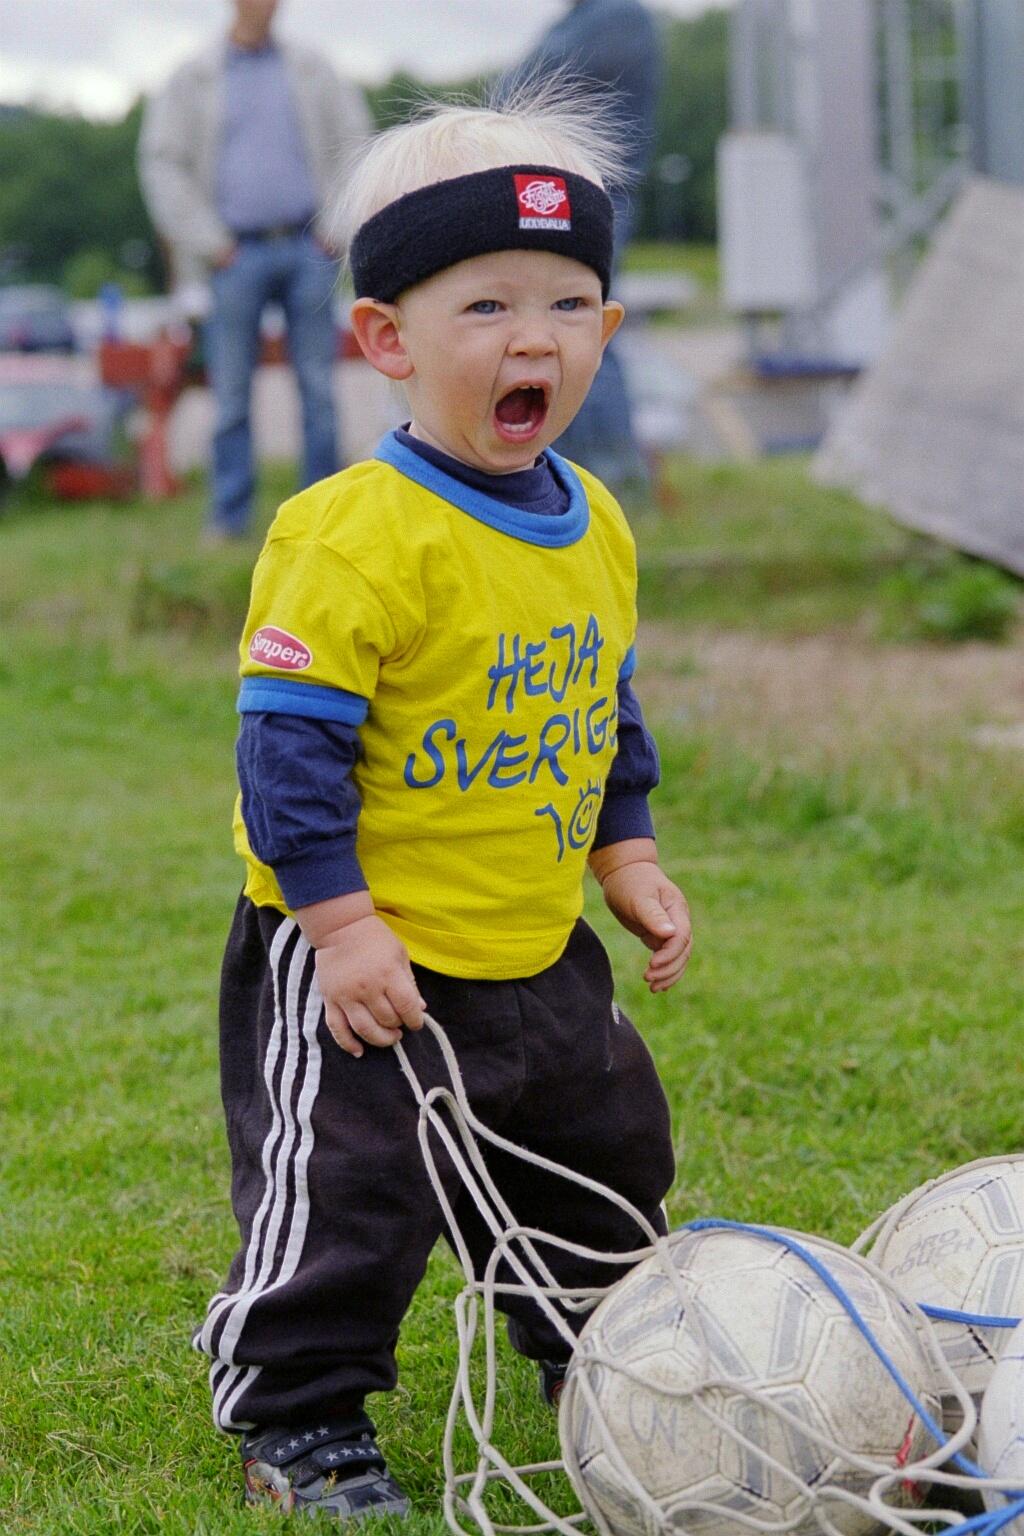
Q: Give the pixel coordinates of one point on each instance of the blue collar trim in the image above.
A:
(550, 530)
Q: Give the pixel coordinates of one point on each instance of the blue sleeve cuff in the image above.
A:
(623, 817)
(330, 869)
(281, 696)
(628, 665)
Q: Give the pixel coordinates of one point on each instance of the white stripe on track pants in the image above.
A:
(336, 1213)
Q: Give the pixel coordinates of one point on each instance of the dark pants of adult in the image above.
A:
(336, 1212)
(291, 270)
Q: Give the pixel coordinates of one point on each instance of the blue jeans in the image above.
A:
(600, 436)
(295, 273)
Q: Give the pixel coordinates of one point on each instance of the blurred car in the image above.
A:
(35, 318)
(53, 413)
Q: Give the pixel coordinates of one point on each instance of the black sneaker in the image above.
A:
(334, 1465)
(552, 1380)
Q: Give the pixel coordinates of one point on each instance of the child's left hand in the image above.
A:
(646, 902)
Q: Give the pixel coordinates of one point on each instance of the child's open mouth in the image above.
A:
(520, 414)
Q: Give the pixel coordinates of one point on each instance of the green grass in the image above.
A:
(761, 546)
(740, 546)
(851, 1022)
(694, 260)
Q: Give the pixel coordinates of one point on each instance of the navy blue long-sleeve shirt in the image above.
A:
(299, 804)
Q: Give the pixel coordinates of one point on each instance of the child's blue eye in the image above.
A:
(569, 304)
(485, 307)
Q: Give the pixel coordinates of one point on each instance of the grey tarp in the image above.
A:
(934, 432)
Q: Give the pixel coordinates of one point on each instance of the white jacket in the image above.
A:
(180, 140)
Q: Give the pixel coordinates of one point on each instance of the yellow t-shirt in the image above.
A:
(477, 648)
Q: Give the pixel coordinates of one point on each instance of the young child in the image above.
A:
(438, 735)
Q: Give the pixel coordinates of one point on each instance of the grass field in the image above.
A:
(852, 1021)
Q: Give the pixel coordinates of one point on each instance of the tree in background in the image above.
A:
(71, 211)
(70, 207)
(677, 199)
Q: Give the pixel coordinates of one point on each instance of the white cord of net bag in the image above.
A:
(448, 1123)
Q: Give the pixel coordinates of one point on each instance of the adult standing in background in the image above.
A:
(611, 49)
(238, 156)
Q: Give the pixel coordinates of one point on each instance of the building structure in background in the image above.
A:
(798, 217)
(934, 429)
(991, 41)
(854, 122)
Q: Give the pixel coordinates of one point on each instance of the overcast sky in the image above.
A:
(97, 55)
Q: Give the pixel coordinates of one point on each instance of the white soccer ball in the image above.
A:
(659, 1391)
(1001, 1426)
(958, 1243)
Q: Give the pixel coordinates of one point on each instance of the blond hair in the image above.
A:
(534, 123)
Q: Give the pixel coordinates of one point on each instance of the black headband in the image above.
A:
(516, 207)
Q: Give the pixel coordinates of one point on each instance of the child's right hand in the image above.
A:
(368, 987)
(364, 972)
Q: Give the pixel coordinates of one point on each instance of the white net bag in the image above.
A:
(738, 1379)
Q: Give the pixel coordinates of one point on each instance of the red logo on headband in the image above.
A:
(543, 202)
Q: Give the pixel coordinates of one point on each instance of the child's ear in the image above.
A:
(375, 327)
(612, 316)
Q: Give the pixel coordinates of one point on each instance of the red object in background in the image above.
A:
(156, 373)
(349, 350)
(123, 364)
(156, 479)
(166, 371)
(153, 369)
(274, 349)
(88, 482)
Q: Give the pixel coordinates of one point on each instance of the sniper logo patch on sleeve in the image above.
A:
(273, 647)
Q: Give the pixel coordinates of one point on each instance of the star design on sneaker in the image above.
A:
(317, 1471)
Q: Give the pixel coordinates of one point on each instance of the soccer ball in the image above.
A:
(659, 1424)
(1001, 1426)
(958, 1243)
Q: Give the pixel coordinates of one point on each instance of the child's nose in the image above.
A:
(533, 338)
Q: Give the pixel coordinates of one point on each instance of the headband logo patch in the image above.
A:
(543, 202)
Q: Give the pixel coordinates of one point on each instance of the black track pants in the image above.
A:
(335, 1209)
